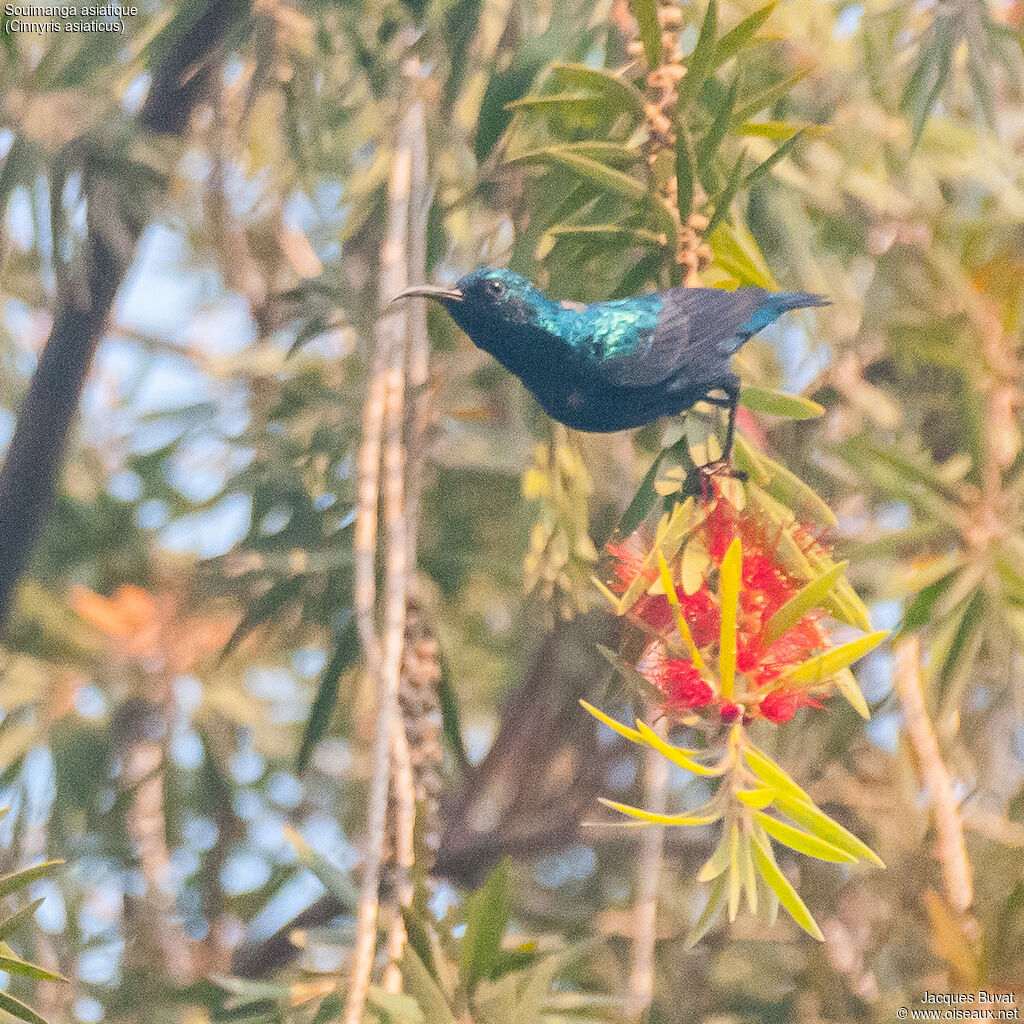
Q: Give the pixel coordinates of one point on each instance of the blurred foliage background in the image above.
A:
(187, 721)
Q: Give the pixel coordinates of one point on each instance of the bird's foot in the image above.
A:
(722, 467)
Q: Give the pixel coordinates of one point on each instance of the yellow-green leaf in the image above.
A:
(681, 624)
(778, 403)
(787, 895)
(677, 755)
(846, 684)
(622, 730)
(729, 586)
(810, 596)
(662, 819)
(757, 798)
(16, 1008)
(734, 871)
(715, 899)
(826, 665)
(803, 842)
(15, 965)
(804, 811)
(749, 875)
(768, 771)
(717, 862)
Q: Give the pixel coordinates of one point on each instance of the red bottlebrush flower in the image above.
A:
(730, 712)
(780, 705)
(681, 683)
(629, 563)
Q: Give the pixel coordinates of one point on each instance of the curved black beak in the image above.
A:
(430, 291)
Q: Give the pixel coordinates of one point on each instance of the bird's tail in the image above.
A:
(783, 302)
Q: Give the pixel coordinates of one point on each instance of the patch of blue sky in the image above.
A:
(210, 533)
(848, 21)
(884, 731)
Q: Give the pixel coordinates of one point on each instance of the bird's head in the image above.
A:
(488, 305)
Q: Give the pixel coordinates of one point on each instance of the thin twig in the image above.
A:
(382, 415)
(648, 866)
(950, 848)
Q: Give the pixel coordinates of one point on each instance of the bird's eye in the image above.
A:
(495, 288)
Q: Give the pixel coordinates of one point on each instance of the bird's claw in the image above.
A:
(723, 467)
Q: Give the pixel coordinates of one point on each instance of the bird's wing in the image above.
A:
(692, 335)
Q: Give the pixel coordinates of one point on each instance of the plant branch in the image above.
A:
(950, 849)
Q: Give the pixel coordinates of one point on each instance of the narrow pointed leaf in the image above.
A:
(778, 403)
(619, 92)
(764, 168)
(681, 624)
(346, 650)
(622, 730)
(661, 819)
(724, 201)
(717, 862)
(788, 897)
(701, 62)
(804, 812)
(846, 684)
(677, 755)
(15, 965)
(646, 14)
(734, 871)
(712, 139)
(17, 919)
(768, 97)
(600, 174)
(747, 870)
(804, 600)
(729, 585)
(824, 666)
(684, 175)
(803, 842)
(16, 1008)
(26, 876)
(715, 899)
(487, 916)
(737, 38)
(757, 798)
(610, 233)
(769, 772)
(786, 487)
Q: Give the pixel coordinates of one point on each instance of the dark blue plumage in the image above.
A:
(608, 366)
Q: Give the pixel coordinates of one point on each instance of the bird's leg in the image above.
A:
(731, 387)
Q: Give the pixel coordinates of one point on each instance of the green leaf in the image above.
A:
(15, 965)
(503, 88)
(735, 882)
(399, 1008)
(717, 862)
(803, 842)
(729, 586)
(684, 174)
(618, 92)
(777, 403)
(724, 201)
(701, 62)
(757, 798)
(643, 500)
(768, 771)
(622, 730)
(617, 154)
(677, 755)
(736, 252)
(765, 166)
(781, 131)
(826, 665)
(646, 14)
(334, 880)
(487, 915)
(9, 925)
(749, 876)
(610, 233)
(16, 1008)
(799, 498)
(662, 819)
(768, 97)
(737, 38)
(606, 177)
(712, 139)
(846, 684)
(416, 980)
(26, 876)
(346, 651)
(804, 600)
(787, 895)
(803, 811)
(715, 900)
(263, 609)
